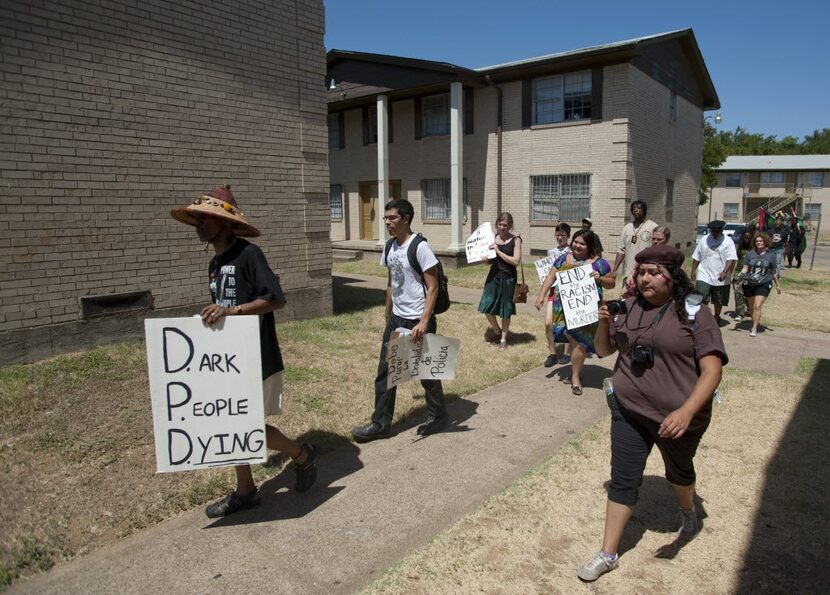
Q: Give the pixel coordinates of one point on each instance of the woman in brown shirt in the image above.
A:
(671, 354)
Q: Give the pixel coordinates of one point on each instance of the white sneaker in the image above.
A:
(596, 567)
(753, 333)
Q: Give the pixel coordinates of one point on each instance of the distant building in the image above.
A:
(115, 112)
(775, 182)
(555, 138)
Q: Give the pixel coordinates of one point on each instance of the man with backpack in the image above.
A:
(411, 295)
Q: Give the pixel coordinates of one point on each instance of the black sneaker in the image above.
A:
(433, 425)
(369, 432)
(551, 361)
(232, 503)
(307, 472)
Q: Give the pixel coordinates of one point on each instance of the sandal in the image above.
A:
(577, 390)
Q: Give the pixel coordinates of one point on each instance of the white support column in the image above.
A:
(456, 167)
(383, 164)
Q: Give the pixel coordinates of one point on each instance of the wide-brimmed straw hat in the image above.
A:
(218, 203)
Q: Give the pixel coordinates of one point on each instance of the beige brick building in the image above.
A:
(555, 138)
(747, 183)
(112, 114)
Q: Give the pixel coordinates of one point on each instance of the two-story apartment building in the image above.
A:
(775, 182)
(554, 138)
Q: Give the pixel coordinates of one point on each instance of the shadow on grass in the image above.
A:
(280, 501)
(349, 297)
(790, 541)
(656, 511)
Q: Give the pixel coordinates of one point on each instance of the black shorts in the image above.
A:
(719, 294)
(752, 289)
(632, 437)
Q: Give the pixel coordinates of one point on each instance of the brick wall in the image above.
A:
(630, 153)
(115, 112)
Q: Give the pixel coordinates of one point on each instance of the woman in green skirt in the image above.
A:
(497, 299)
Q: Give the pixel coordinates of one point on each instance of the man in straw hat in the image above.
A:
(242, 284)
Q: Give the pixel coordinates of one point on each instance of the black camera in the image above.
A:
(616, 307)
(642, 354)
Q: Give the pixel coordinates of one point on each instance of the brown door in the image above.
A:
(368, 216)
(368, 200)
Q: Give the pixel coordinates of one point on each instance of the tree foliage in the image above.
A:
(717, 145)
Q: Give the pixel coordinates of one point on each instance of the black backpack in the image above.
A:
(442, 302)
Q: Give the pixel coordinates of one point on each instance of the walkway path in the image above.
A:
(375, 504)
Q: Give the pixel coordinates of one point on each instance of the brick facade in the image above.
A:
(630, 153)
(115, 112)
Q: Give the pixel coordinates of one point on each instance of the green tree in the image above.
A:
(817, 143)
(714, 153)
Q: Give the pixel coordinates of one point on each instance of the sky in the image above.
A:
(769, 61)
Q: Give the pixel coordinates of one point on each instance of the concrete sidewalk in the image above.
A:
(375, 504)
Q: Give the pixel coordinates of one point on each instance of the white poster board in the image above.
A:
(579, 295)
(479, 242)
(206, 391)
(543, 267)
(432, 358)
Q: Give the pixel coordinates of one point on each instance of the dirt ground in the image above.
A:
(761, 476)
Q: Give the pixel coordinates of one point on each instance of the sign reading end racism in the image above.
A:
(206, 391)
(579, 296)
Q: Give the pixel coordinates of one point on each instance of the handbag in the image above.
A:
(520, 291)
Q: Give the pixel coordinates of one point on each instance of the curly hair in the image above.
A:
(681, 288)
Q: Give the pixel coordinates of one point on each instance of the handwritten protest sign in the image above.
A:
(433, 358)
(206, 392)
(478, 244)
(543, 267)
(579, 296)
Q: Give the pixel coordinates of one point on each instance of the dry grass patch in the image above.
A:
(77, 460)
(765, 525)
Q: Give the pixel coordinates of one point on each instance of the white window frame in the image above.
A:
(560, 197)
(334, 131)
(772, 177)
(731, 210)
(814, 210)
(552, 94)
(436, 199)
(336, 201)
(435, 115)
(729, 179)
(815, 179)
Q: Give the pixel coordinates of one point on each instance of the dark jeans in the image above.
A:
(385, 397)
(632, 437)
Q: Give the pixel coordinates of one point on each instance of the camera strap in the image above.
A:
(654, 322)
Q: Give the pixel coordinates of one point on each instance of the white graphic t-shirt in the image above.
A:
(713, 256)
(408, 290)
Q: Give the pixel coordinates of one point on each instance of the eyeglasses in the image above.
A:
(391, 217)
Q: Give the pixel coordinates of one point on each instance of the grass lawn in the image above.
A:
(76, 436)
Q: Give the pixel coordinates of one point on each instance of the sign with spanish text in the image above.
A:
(479, 242)
(432, 358)
(206, 392)
(543, 267)
(579, 296)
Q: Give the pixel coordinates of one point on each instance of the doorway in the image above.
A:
(368, 200)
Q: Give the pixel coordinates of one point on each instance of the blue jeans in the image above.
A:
(385, 397)
(779, 257)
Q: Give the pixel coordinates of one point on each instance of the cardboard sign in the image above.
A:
(479, 242)
(432, 358)
(579, 295)
(206, 391)
(543, 267)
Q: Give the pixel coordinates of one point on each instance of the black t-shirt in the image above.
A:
(241, 275)
(779, 237)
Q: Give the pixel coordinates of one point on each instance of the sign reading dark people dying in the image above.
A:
(206, 391)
